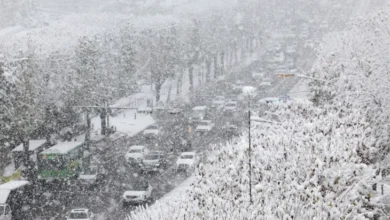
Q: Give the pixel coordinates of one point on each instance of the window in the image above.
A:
(153, 127)
(7, 210)
(90, 171)
(186, 156)
(78, 215)
(152, 157)
(204, 123)
(136, 151)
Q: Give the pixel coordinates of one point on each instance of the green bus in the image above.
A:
(62, 161)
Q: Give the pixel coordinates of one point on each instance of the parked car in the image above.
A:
(187, 162)
(152, 131)
(237, 87)
(204, 126)
(138, 192)
(91, 175)
(136, 153)
(145, 110)
(198, 114)
(80, 214)
(231, 106)
(218, 102)
(154, 161)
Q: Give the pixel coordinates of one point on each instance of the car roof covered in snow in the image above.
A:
(197, 108)
(12, 185)
(188, 153)
(137, 147)
(62, 148)
(33, 145)
(79, 210)
(4, 195)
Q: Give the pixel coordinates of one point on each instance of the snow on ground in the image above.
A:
(300, 90)
(179, 193)
(10, 169)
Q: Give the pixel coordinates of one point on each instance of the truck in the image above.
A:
(13, 196)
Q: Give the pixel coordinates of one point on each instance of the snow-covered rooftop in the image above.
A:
(12, 185)
(62, 148)
(137, 147)
(199, 108)
(33, 145)
(188, 153)
(4, 195)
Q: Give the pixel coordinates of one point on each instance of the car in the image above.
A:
(269, 100)
(187, 162)
(198, 114)
(80, 214)
(175, 111)
(91, 175)
(238, 86)
(136, 153)
(204, 126)
(218, 101)
(265, 84)
(231, 106)
(145, 110)
(139, 192)
(151, 131)
(230, 128)
(291, 50)
(154, 161)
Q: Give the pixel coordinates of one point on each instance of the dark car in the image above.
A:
(154, 161)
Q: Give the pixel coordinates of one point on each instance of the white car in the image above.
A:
(238, 86)
(136, 153)
(204, 126)
(187, 162)
(265, 84)
(152, 131)
(218, 101)
(91, 175)
(231, 106)
(137, 193)
(80, 214)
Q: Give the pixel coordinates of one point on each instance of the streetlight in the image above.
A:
(249, 92)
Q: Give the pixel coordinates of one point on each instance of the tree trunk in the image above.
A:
(191, 77)
(88, 133)
(103, 122)
(169, 93)
(157, 87)
(215, 66)
(180, 82)
(223, 63)
(26, 153)
(235, 52)
(251, 44)
(208, 70)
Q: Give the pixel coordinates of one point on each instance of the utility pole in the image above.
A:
(250, 151)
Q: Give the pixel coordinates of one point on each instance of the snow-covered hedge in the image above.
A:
(356, 64)
(309, 167)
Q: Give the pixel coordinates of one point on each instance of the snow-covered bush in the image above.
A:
(309, 167)
(356, 64)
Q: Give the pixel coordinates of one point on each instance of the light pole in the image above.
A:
(249, 91)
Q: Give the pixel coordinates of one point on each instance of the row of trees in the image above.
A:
(39, 88)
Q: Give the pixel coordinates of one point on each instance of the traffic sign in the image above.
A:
(284, 75)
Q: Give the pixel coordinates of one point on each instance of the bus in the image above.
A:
(62, 161)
